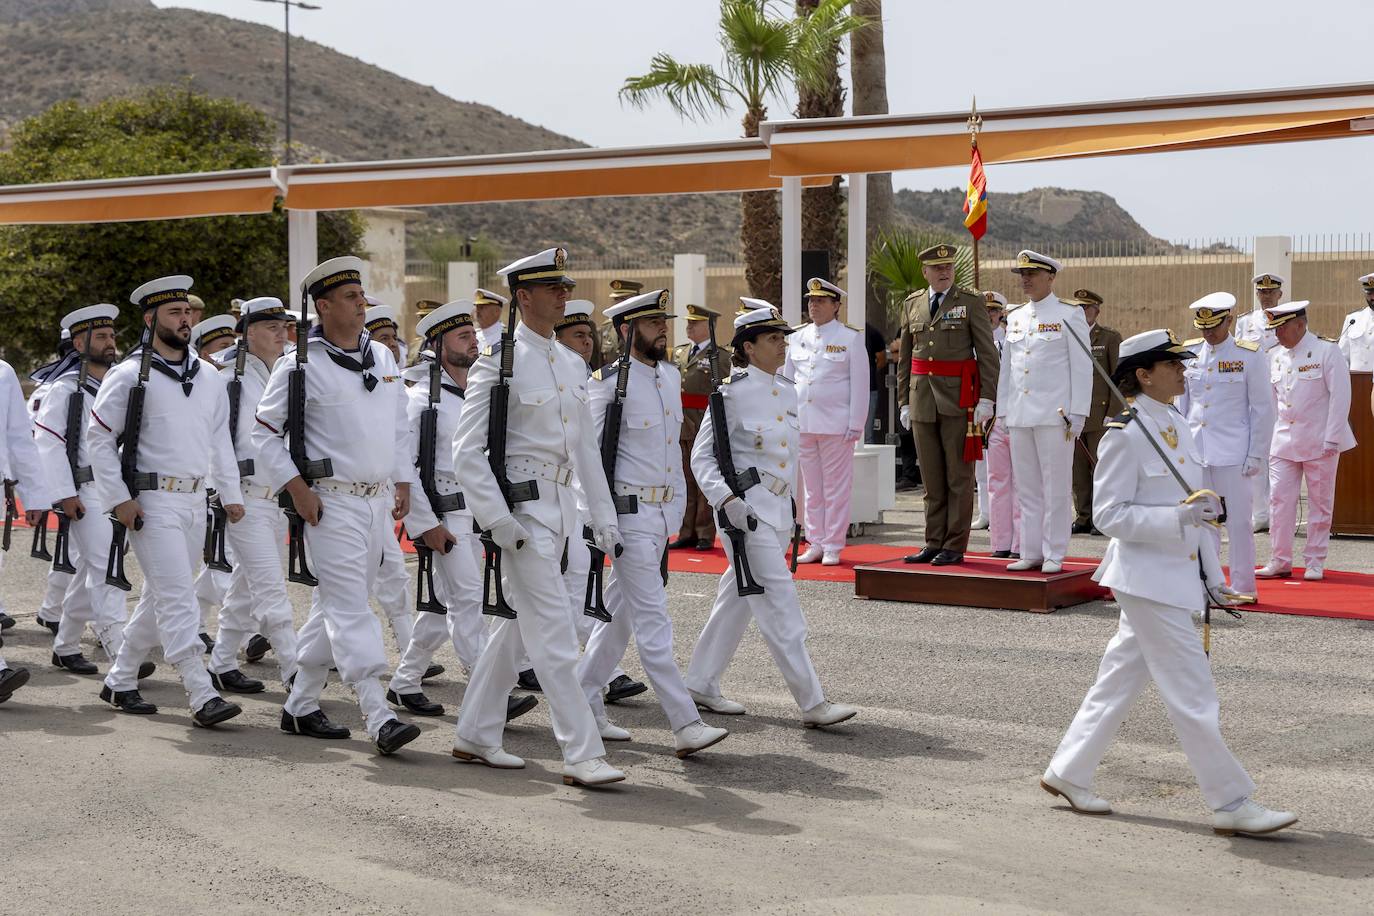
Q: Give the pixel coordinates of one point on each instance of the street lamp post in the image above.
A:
(286, 8)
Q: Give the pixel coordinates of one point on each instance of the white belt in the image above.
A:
(166, 484)
(541, 469)
(774, 484)
(445, 483)
(348, 488)
(253, 491)
(651, 495)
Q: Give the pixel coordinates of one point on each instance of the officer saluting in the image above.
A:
(1357, 331)
(698, 523)
(353, 417)
(1105, 343)
(1254, 327)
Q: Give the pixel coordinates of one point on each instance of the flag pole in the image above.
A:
(975, 122)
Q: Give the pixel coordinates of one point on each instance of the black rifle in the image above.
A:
(297, 568)
(494, 600)
(796, 536)
(217, 520)
(439, 504)
(235, 391)
(628, 504)
(738, 482)
(128, 463)
(76, 420)
(11, 513)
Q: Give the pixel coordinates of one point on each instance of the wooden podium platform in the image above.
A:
(1353, 512)
(979, 582)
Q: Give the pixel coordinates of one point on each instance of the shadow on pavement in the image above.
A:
(715, 807)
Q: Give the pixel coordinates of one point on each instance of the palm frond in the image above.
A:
(695, 91)
(895, 263)
(758, 48)
(815, 38)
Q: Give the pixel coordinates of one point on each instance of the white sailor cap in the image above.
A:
(994, 299)
(65, 335)
(263, 308)
(653, 304)
(1031, 260)
(758, 320)
(576, 311)
(1147, 348)
(1268, 281)
(212, 329)
(161, 291)
(487, 297)
(1286, 312)
(332, 274)
(89, 318)
(548, 266)
(378, 315)
(817, 286)
(1367, 281)
(445, 318)
(1212, 309)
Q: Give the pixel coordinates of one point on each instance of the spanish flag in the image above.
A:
(976, 200)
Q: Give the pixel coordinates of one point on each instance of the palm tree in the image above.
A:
(868, 76)
(895, 265)
(765, 53)
(822, 207)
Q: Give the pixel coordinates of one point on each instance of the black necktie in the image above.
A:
(352, 365)
(935, 303)
(183, 378)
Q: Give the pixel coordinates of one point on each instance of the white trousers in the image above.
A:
(1234, 487)
(256, 601)
(779, 615)
(1004, 518)
(1156, 642)
(58, 583)
(391, 587)
(1259, 493)
(212, 585)
(1285, 482)
(1042, 463)
(168, 549)
(827, 469)
(458, 585)
(543, 629)
(638, 603)
(980, 475)
(88, 598)
(341, 631)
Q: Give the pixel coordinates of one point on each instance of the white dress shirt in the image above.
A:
(422, 517)
(18, 453)
(254, 383)
(829, 365)
(1228, 403)
(1044, 370)
(1312, 393)
(1252, 326)
(1357, 340)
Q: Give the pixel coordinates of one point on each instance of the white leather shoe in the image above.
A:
(1079, 799)
(610, 731)
(979, 524)
(1260, 524)
(717, 704)
(1314, 572)
(827, 713)
(594, 772)
(811, 554)
(1025, 563)
(697, 736)
(1050, 568)
(831, 558)
(1251, 819)
(493, 757)
(1272, 570)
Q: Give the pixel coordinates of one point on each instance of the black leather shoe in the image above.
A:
(518, 706)
(130, 701)
(395, 735)
(947, 558)
(257, 647)
(527, 681)
(50, 625)
(1081, 528)
(209, 643)
(314, 725)
(11, 679)
(417, 703)
(1000, 554)
(432, 671)
(925, 556)
(623, 688)
(680, 543)
(76, 663)
(146, 670)
(1016, 554)
(6, 621)
(906, 483)
(705, 544)
(216, 711)
(235, 681)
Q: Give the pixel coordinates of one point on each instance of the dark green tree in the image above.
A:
(46, 271)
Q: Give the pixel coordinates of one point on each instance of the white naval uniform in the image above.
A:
(1152, 566)
(458, 573)
(256, 600)
(182, 436)
(649, 465)
(364, 434)
(549, 437)
(761, 411)
(1229, 407)
(1357, 340)
(18, 452)
(1044, 371)
(1002, 510)
(489, 337)
(50, 608)
(829, 364)
(1311, 428)
(88, 599)
(391, 587)
(1252, 326)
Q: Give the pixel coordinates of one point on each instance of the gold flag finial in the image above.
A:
(975, 122)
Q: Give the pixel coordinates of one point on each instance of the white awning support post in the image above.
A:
(689, 288)
(791, 250)
(858, 250)
(1274, 255)
(302, 251)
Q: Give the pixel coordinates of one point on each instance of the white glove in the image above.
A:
(738, 512)
(904, 417)
(1224, 595)
(1201, 511)
(607, 539)
(1076, 422)
(509, 534)
(1251, 467)
(983, 412)
(1330, 448)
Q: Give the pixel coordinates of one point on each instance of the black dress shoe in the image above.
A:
(906, 483)
(6, 621)
(1000, 554)
(622, 688)
(417, 703)
(11, 679)
(705, 543)
(47, 624)
(528, 681)
(235, 681)
(1081, 528)
(395, 735)
(257, 647)
(680, 543)
(209, 643)
(925, 556)
(216, 711)
(1016, 554)
(76, 663)
(146, 670)
(518, 706)
(947, 558)
(314, 725)
(432, 671)
(130, 701)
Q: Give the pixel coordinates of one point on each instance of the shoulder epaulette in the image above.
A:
(734, 378)
(1328, 339)
(919, 292)
(782, 378)
(854, 329)
(1251, 345)
(1120, 420)
(1192, 342)
(488, 350)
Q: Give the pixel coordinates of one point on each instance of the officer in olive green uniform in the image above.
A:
(698, 523)
(1106, 345)
(946, 386)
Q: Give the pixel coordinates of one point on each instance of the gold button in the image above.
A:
(779, 418)
(1204, 422)
(782, 464)
(560, 387)
(775, 392)
(783, 443)
(565, 421)
(1180, 461)
(1192, 556)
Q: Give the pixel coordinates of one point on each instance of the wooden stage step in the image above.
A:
(979, 582)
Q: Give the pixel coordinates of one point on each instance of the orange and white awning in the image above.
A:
(129, 199)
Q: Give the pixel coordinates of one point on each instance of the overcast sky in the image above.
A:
(560, 64)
